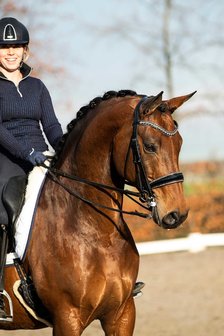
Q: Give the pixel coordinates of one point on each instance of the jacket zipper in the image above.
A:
(19, 92)
(17, 86)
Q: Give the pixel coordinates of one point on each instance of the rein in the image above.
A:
(145, 187)
(55, 173)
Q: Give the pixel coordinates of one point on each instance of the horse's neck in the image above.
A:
(88, 156)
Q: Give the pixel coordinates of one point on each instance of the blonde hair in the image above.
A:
(26, 53)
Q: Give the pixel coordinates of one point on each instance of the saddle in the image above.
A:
(13, 198)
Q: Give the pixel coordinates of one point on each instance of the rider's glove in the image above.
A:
(36, 158)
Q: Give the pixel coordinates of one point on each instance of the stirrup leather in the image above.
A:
(7, 318)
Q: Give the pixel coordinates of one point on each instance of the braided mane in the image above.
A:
(96, 101)
(84, 110)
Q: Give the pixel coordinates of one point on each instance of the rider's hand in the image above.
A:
(36, 158)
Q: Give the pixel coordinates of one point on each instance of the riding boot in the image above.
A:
(3, 294)
(137, 291)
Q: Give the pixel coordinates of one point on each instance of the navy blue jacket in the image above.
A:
(22, 110)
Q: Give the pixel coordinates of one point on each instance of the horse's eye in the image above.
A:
(162, 108)
(149, 147)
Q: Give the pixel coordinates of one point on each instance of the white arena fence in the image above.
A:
(194, 242)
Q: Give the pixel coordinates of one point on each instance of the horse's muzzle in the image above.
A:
(173, 219)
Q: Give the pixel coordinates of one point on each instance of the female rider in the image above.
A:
(26, 112)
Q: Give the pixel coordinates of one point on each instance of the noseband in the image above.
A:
(145, 186)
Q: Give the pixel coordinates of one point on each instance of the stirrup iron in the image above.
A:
(7, 318)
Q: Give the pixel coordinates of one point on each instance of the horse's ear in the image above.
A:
(176, 102)
(151, 104)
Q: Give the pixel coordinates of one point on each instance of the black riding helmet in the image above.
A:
(13, 32)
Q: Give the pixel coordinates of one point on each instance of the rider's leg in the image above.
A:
(9, 167)
(3, 252)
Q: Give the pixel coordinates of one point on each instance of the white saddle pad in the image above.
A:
(23, 225)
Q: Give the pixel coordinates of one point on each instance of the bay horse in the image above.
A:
(82, 257)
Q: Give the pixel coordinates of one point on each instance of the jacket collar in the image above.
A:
(25, 71)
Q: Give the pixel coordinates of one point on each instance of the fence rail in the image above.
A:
(194, 243)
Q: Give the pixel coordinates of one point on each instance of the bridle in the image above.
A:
(145, 187)
(143, 184)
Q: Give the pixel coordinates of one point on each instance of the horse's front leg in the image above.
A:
(67, 324)
(122, 325)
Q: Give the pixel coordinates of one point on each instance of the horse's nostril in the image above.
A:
(171, 220)
(175, 215)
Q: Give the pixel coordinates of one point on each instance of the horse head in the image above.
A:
(152, 165)
(138, 143)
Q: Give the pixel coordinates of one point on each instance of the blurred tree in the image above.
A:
(8, 6)
(176, 42)
(177, 45)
